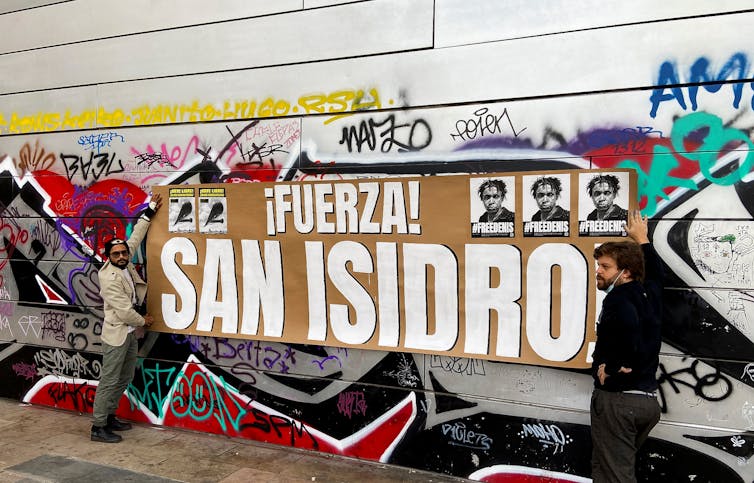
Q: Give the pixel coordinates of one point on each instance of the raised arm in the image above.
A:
(142, 225)
(637, 227)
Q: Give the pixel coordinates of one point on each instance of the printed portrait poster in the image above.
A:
(213, 211)
(181, 210)
(603, 203)
(492, 201)
(546, 204)
(385, 264)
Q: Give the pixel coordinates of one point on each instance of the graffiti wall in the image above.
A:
(97, 113)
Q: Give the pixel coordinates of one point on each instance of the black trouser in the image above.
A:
(620, 424)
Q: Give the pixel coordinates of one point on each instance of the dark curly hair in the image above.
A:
(546, 180)
(627, 256)
(493, 183)
(610, 179)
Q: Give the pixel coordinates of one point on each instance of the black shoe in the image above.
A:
(103, 435)
(113, 424)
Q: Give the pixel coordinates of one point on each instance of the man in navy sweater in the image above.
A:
(624, 406)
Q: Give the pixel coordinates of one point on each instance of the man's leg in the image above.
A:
(647, 418)
(112, 362)
(613, 438)
(600, 447)
(127, 371)
(128, 368)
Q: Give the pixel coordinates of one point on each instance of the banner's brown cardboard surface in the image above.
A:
(399, 264)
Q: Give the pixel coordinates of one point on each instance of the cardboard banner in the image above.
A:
(494, 266)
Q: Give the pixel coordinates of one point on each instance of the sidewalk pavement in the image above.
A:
(40, 444)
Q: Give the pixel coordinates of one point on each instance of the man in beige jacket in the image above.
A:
(123, 292)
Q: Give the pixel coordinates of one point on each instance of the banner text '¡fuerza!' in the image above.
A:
(352, 205)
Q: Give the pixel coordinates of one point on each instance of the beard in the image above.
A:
(121, 263)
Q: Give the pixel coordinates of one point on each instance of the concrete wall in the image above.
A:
(101, 100)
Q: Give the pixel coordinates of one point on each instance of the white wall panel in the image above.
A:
(464, 22)
(491, 71)
(325, 3)
(15, 5)
(53, 101)
(83, 20)
(290, 38)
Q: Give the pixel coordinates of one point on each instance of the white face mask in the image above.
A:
(612, 285)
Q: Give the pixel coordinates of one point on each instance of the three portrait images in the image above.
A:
(545, 209)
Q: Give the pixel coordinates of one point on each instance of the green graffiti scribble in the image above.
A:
(716, 139)
(730, 238)
(653, 184)
(151, 399)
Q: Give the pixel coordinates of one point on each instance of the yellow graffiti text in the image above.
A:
(341, 102)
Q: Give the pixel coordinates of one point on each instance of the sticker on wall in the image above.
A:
(547, 204)
(181, 210)
(213, 210)
(492, 205)
(602, 197)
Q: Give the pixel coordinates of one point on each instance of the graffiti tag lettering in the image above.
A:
(98, 165)
(98, 141)
(710, 387)
(352, 403)
(461, 436)
(548, 435)
(367, 133)
(482, 124)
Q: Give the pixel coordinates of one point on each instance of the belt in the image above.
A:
(640, 393)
